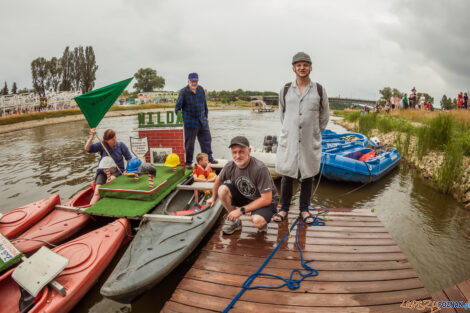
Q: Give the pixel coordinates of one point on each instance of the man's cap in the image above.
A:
(239, 141)
(301, 56)
(193, 77)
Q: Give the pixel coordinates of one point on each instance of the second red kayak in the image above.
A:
(56, 227)
(88, 256)
(18, 220)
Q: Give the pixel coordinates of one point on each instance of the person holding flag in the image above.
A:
(117, 150)
(94, 105)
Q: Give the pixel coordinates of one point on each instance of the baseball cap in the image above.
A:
(301, 56)
(239, 141)
(193, 77)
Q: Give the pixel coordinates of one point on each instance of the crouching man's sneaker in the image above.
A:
(232, 226)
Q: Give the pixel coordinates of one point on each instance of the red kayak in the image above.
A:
(56, 227)
(88, 256)
(16, 221)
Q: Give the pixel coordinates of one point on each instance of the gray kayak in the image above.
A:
(159, 247)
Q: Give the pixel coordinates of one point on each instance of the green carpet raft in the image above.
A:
(129, 198)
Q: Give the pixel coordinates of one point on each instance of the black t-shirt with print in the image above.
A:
(250, 181)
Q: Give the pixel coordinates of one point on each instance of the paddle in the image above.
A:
(96, 103)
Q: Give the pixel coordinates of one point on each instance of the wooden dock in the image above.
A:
(361, 269)
(459, 292)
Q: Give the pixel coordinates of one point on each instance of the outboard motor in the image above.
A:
(269, 143)
(374, 142)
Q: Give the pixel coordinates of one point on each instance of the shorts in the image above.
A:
(240, 200)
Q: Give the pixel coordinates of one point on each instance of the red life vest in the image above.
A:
(367, 156)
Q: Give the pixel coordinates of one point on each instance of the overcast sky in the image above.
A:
(357, 47)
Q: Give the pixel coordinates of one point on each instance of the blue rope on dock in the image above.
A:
(292, 283)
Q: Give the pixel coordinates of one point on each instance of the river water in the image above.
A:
(432, 229)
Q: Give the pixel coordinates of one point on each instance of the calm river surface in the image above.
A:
(432, 229)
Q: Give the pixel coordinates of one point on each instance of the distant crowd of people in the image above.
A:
(12, 112)
(462, 101)
(412, 102)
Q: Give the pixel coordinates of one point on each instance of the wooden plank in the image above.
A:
(373, 229)
(247, 221)
(310, 285)
(294, 255)
(441, 296)
(465, 288)
(196, 186)
(247, 229)
(168, 218)
(174, 307)
(304, 298)
(242, 260)
(454, 294)
(325, 275)
(218, 304)
(345, 241)
(78, 210)
(217, 245)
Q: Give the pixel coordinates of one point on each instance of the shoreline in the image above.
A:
(80, 117)
(426, 166)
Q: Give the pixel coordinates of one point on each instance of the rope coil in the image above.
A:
(291, 282)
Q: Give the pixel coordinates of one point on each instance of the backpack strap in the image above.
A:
(320, 92)
(286, 89)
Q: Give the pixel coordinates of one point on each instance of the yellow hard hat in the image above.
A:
(172, 160)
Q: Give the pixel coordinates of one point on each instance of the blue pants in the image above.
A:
(203, 135)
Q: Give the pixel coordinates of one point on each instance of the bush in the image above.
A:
(367, 122)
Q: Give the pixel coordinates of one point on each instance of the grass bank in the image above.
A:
(438, 143)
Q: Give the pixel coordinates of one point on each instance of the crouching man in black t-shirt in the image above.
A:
(245, 186)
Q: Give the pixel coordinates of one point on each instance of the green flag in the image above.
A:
(96, 103)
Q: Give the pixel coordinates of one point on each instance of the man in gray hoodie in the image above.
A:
(304, 110)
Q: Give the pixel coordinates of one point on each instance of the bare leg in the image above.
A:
(196, 196)
(96, 195)
(226, 198)
(258, 221)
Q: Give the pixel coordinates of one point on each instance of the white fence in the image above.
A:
(31, 102)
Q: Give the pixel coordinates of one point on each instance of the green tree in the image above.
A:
(396, 92)
(88, 70)
(386, 93)
(148, 80)
(54, 73)
(66, 62)
(4, 90)
(428, 97)
(14, 88)
(24, 90)
(78, 62)
(39, 74)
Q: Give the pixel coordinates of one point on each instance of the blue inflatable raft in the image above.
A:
(353, 163)
(331, 139)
